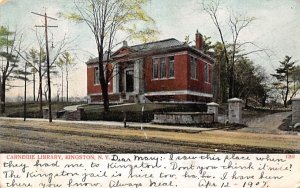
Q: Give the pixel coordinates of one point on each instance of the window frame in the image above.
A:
(162, 68)
(207, 73)
(193, 68)
(155, 71)
(173, 66)
(96, 76)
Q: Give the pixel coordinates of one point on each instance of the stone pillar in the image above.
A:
(295, 111)
(116, 79)
(213, 108)
(235, 110)
(80, 113)
(45, 113)
(136, 72)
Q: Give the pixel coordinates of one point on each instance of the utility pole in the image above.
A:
(25, 92)
(48, 59)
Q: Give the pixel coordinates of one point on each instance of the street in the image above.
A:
(17, 136)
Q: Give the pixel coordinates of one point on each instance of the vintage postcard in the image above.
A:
(149, 93)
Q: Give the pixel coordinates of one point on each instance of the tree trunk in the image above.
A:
(105, 97)
(231, 83)
(67, 81)
(62, 85)
(246, 103)
(40, 83)
(2, 96)
(40, 91)
(33, 90)
(287, 89)
(102, 79)
(25, 93)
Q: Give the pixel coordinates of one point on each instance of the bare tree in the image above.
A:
(60, 47)
(106, 19)
(236, 24)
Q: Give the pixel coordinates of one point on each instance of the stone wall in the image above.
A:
(186, 118)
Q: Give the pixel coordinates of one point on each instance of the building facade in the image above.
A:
(161, 71)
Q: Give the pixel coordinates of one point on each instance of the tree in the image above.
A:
(8, 46)
(295, 87)
(283, 76)
(66, 63)
(107, 19)
(32, 56)
(250, 81)
(36, 60)
(236, 24)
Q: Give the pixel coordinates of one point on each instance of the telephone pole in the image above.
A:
(48, 59)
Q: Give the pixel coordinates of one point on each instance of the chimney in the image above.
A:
(199, 41)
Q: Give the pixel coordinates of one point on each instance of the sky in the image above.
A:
(276, 27)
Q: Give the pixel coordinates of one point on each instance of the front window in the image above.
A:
(155, 68)
(193, 68)
(96, 76)
(171, 72)
(163, 73)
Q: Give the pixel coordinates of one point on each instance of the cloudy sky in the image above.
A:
(276, 27)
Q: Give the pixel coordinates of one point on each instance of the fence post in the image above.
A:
(213, 108)
(124, 119)
(235, 110)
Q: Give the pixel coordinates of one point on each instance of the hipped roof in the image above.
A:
(155, 47)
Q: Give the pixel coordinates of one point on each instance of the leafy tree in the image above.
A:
(107, 19)
(32, 56)
(9, 60)
(250, 81)
(283, 76)
(66, 63)
(295, 86)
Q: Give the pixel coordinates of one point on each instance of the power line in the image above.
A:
(48, 59)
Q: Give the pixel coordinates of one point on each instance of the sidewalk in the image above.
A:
(120, 124)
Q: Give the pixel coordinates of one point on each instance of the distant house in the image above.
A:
(162, 71)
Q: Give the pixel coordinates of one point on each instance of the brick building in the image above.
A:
(166, 70)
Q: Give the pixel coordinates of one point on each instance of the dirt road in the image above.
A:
(17, 136)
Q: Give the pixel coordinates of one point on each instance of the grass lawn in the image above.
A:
(16, 109)
(147, 107)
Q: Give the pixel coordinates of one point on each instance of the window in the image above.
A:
(155, 68)
(206, 73)
(163, 73)
(96, 76)
(163, 67)
(193, 68)
(171, 72)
